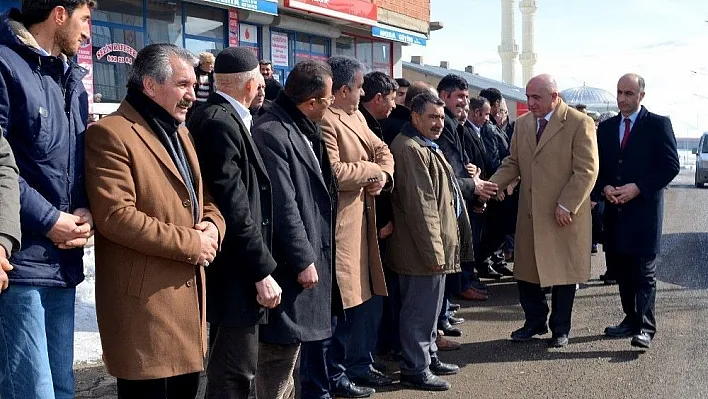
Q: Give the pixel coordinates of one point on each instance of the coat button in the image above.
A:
(264, 187)
(189, 259)
(266, 222)
(620, 162)
(619, 177)
(186, 203)
(529, 216)
(190, 283)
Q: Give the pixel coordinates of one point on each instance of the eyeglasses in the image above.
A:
(329, 100)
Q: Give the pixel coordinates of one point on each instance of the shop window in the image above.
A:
(114, 51)
(164, 22)
(364, 53)
(206, 22)
(249, 38)
(382, 57)
(8, 4)
(345, 46)
(197, 46)
(120, 12)
(310, 47)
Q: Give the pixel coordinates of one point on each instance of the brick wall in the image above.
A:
(419, 9)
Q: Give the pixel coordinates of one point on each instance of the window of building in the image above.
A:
(376, 55)
(204, 28)
(164, 22)
(250, 38)
(111, 63)
(120, 12)
(8, 4)
(300, 46)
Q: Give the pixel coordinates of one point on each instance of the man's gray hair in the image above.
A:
(238, 80)
(154, 61)
(420, 102)
(343, 71)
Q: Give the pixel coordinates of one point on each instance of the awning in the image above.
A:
(262, 6)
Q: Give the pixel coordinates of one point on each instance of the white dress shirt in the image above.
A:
(241, 110)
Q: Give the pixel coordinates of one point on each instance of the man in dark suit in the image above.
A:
(239, 284)
(638, 159)
(305, 205)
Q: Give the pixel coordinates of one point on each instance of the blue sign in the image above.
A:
(264, 6)
(398, 36)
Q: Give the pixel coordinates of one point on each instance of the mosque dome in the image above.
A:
(595, 99)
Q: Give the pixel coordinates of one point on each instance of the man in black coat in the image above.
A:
(305, 204)
(272, 86)
(638, 159)
(239, 283)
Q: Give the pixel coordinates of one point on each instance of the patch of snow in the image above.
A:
(87, 343)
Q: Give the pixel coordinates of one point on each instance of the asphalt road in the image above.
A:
(592, 366)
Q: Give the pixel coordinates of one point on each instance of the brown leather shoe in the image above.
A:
(473, 295)
(445, 345)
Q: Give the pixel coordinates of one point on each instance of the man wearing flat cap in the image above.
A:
(240, 289)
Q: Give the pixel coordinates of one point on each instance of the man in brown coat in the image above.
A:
(554, 151)
(364, 167)
(427, 243)
(156, 231)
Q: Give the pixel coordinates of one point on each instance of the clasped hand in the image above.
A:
(622, 194)
(72, 230)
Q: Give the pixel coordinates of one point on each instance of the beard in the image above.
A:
(68, 46)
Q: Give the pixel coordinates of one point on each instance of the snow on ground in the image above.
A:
(87, 343)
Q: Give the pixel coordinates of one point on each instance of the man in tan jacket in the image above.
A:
(554, 152)
(156, 231)
(427, 243)
(363, 166)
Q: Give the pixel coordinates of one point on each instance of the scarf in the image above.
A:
(166, 128)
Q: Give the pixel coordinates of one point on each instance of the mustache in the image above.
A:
(184, 103)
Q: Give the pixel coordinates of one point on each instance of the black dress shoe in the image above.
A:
(608, 280)
(558, 341)
(449, 330)
(372, 379)
(454, 307)
(350, 390)
(621, 330)
(489, 272)
(526, 333)
(456, 320)
(439, 368)
(426, 382)
(641, 340)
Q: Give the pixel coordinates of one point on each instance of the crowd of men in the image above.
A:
(316, 224)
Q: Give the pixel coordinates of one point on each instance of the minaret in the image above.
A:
(508, 49)
(528, 57)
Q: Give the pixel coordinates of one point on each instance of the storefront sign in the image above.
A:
(85, 59)
(233, 27)
(279, 49)
(264, 6)
(248, 34)
(360, 11)
(117, 59)
(398, 35)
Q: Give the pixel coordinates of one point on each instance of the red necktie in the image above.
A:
(541, 127)
(627, 123)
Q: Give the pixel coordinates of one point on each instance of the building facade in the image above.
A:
(283, 31)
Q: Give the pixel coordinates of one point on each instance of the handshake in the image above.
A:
(483, 189)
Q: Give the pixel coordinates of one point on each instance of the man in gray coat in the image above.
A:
(427, 243)
(9, 209)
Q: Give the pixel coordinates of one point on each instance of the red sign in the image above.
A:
(360, 11)
(85, 59)
(521, 108)
(233, 27)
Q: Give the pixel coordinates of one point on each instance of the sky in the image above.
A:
(591, 42)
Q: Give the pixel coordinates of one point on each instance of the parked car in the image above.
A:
(701, 161)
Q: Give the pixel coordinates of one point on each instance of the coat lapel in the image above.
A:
(191, 155)
(346, 120)
(554, 126)
(150, 139)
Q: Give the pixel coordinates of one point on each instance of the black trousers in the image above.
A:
(179, 387)
(636, 276)
(233, 360)
(533, 301)
(493, 234)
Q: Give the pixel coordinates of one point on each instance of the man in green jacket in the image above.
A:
(427, 243)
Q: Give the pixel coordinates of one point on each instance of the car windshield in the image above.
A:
(704, 150)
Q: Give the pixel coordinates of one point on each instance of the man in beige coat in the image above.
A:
(554, 152)
(156, 231)
(363, 166)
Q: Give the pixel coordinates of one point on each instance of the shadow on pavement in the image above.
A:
(683, 260)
